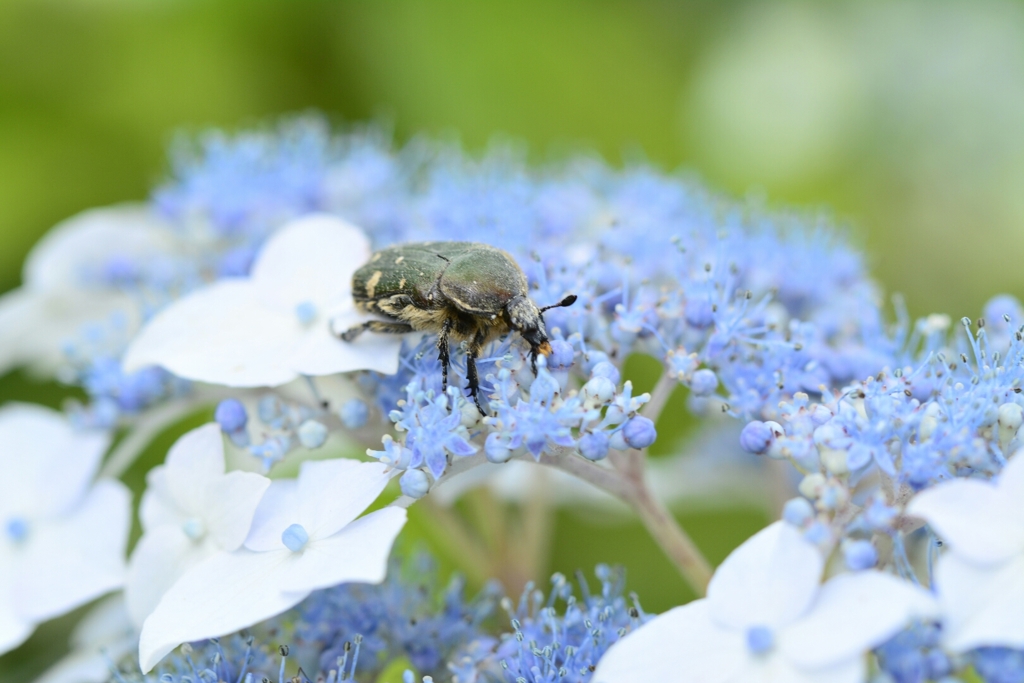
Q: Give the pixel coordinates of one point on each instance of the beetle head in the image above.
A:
(524, 317)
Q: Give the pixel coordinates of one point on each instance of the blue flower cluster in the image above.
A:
(353, 632)
(548, 645)
(743, 306)
(950, 407)
(350, 632)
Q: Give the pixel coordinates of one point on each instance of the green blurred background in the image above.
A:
(905, 120)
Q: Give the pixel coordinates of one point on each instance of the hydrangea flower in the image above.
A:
(980, 576)
(191, 509)
(63, 537)
(305, 536)
(272, 327)
(82, 275)
(768, 618)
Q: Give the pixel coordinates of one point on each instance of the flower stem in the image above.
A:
(626, 482)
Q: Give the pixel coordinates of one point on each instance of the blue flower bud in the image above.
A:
(699, 313)
(798, 511)
(607, 370)
(496, 449)
(859, 555)
(601, 389)
(354, 413)
(414, 483)
(594, 446)
(231, 415)
(312, 434)
(757, 436)
(295, 538)
(704, 382)
(562, 354)
(818, 533)
(618, 441)
(639, 432)
(269, 408)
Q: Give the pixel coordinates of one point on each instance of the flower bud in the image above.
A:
(231, 415)
(414, 483)
(312, 434)
(354, 413)
(704, 382)
(639, 432)
(594, 446)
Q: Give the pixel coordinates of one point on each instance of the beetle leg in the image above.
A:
(443, 350)
(379, 326)
(472, 379)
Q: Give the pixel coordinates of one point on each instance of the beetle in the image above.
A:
(463, 291)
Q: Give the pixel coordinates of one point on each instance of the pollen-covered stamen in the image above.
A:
(17, 529)
(194, 528)
(295, 538)
(306, 312)
(760, 639)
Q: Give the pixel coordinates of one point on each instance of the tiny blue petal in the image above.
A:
(295, 538)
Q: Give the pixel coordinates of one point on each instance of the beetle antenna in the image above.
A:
(567, 301)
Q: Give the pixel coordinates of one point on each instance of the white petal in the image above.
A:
(357, 553)
(683, 644)
(88, 665)
(310, 259)
(981, 604)
(87, 240)
(219, 334)
(775, 668)
(334, 492)
(195, 461)
(1011, 485)
(14, 629)
(852, 614)
(277, 510)
(22, 314)
(322, 353)
(46, 464)
(106, 622)
(768, 581)
(158, 506)
(161, 557)
(222, 594)
(231, 505)
(70, 561)
(972, 518)
(103, 635)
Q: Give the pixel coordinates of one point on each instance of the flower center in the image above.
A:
(760, 639)
(194, 528)
(306, 312)
(295, 538)
(17, 529)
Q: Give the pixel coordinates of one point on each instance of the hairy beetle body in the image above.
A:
(463, 291)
